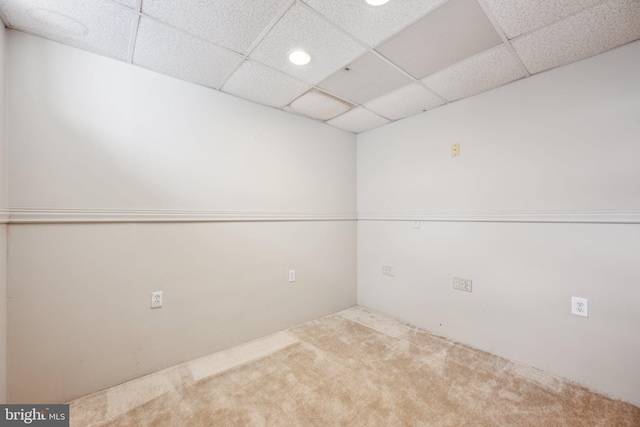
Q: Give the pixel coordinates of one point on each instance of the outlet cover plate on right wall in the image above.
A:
(580, 306)
(462, 284)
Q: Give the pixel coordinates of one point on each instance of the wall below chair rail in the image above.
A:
(560, 146)
(93, 139)
(523, 277)
(79, 312)
(3, 313)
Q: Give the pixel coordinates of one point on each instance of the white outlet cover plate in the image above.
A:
(580, 306)
(388, 270)
(462, 284)
(156, 299)
(292, 276)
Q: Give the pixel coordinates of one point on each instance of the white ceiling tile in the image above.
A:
(456, 30)
(518, 17)
(358, 120)
(300, 28)
(482, 72)
(364, 79)
(129, 3)
(264, 85)
(319, 105)
(405, 102)
(373, 24)
(588, 33)
(100, 27)
(172, 52)
(234, 24)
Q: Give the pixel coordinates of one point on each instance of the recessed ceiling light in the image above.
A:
(299, 57)
(376, 2)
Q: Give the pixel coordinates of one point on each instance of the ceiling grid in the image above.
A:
(134, 31)
(502, 35)
(369, 65)
(262, 35)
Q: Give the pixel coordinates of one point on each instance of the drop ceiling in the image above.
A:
(370, 65)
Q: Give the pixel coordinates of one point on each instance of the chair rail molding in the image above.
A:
(47, 215)
(613, 217)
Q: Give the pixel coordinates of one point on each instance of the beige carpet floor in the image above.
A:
(355, 368)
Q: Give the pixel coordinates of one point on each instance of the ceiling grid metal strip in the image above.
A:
(259, 39)
(134, 30)
(504, 38)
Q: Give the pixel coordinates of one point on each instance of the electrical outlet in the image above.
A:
(387, 270)
(462, 284)
(455, 150)
(580, 306)
(292, 276)
(416, 224)
(156, 299)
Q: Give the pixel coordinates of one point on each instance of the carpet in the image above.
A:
(354, 368)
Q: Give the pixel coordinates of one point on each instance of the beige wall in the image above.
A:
(547, 152)
(88, 132)
(3, 227)
(3, 313)
(133, 152)
(79, 310)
